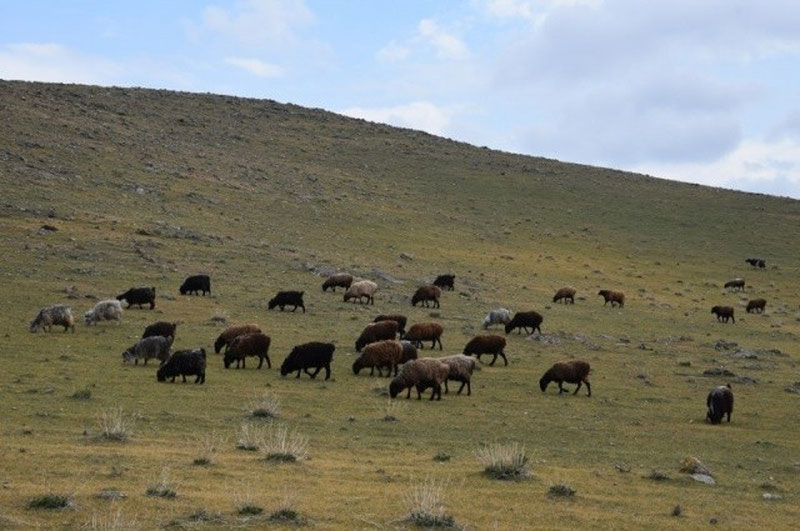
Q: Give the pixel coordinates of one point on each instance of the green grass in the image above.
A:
(147, 187)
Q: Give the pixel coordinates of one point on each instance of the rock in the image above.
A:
(794, 388)
(744, 354)
(718, 371)
(771, 496)
(685, 363)
(725, 345)
(407, 256)
(745, 380)
(48, 228)
(704, 478)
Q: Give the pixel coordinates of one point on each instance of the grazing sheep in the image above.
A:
(762, 264)
(445, 282)
(245, 345)
(308, 356)
(288, 298)
(425, 332)
(425, 294)
(336, 280)
(461, 369)
(723, 313)
(231, 333)
(58, 315)
(756, 262)
(396, 317)
(422, 374)
(184, 363)
(409, 351)
(359, 290)
(525, 320)
(153, 347)
(108, 310)
(614, 297)
(486, 344)
(160, 328)
(571, 371)
(737, 284)
(376, 332)
(387, 353)
(567, 294)
(756, 306)
(195, 284)
(139, 296)
(719, 403)
(498, 316)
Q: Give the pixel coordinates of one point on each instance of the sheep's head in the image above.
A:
(36, 324)
(357, 366)
(272, 303)
(715, 309)
(288, 364)
(89, 317)
(543, 382)
(161, 375)
(395, 387)
(509, 327)
(183, 289)
(228, 359)
(218, 344)
(128, 355)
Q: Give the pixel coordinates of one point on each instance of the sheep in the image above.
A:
(160, 328)
(153, 347)
(57, 314)
(737, 284)
(409, 351)
(614, 297)
(309, 355)
(196, 284)
(108, 310)
(422, 374)
(376, 332)
(343, 280)
(525, 320)
(420, 332)
(498, 316)
(461, 369)
(756, 305)
(387, 353)
(184, 363)
(756, 262)
(396, 317)
(425, 294)
(723, 313)
(245, 345)
(139, 296)
(288, 298)
(230, 333)
(570, 371)
(359, 290)
(486, 344)
(567, 294)
(445, 282)
(719, 403)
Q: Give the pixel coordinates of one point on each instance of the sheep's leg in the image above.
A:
(588, 387)
(328, 371)
(260, 361)
(505, 360)
(184, 377)
(577, 388)
(136, 361)
(269, 363)
(303, 307)
(733, 319)
(446, 390)
(409, 393)
(298, 373)
(419, 392)
(438, 391)
(173, 379)
(561, 388)
(462, 388)
(439, 339)
(494, 359)
(244, 363)
(380, 372)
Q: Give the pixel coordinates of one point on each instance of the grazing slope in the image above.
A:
(147, 187)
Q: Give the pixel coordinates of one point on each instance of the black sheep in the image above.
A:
(445, 281)
(184, 363)
(139, 296)
(525, 320)
(314, 355)
(288, 298)
(719, 403)
(196, 284)
(723, 313)
(160, 328)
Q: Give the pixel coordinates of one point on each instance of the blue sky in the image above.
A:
(700, 91)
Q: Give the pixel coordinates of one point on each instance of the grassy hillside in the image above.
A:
(146, 187)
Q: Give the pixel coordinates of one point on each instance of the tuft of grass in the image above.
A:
(207, 447)
(82, 394)
(164, 488)
(115, 425)
(506, 462)
(51, 501)
(425, 503)
(390, 410)
(677, 510)
(267, 406)
(114, 520)
(286, 511)
(561, 490)
(250, 438)
(284, 446)
(657, 475)
(246, 503)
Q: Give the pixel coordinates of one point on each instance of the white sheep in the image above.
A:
(359, 290)
(108, 310)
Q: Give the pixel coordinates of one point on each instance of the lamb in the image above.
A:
(614, 297)
(409, 351)
(719, 403)
(196, 284)
(420, 332)
(231, 333)
(525, 320)
(307, 356)
(184, 363)
(422, 374)
(571, 371)
(287, 298)
(361, 289)
(461, 368)
(567, 294)
(160, 328)
(486, 344)
(396, 317)
(445, 282)
(737, 284)
(245, 345)
(425, 294)
(343, 280)
(376, 332)
(153, 347)
(756, 305)
(57, 314)
(139, 296)
(723, 313)
(387, 353)
(498, 316)
(108, 310)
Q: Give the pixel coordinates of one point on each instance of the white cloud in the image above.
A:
(255, 66)
(259, 23)
(447, 46)
(55, 63)
(392, 53)
(421, 115)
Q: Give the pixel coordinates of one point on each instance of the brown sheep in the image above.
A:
(422, 374)
(242, 346)
(614, 297)
(230, 333)
(359, 290)
(723, 313)
(425, 294)
(737, 284)
(376, 332)
(343, 280)
(525, 320)
(387, 353)
(756, 305)
(567, 294)
(160, 328)
(486, 344)
(401, 321)
(420, 332)
(461, 369)
(571, 371)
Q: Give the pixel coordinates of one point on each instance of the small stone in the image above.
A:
(703, 478)
(771, 496)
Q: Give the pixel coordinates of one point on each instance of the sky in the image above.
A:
(704, 91)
